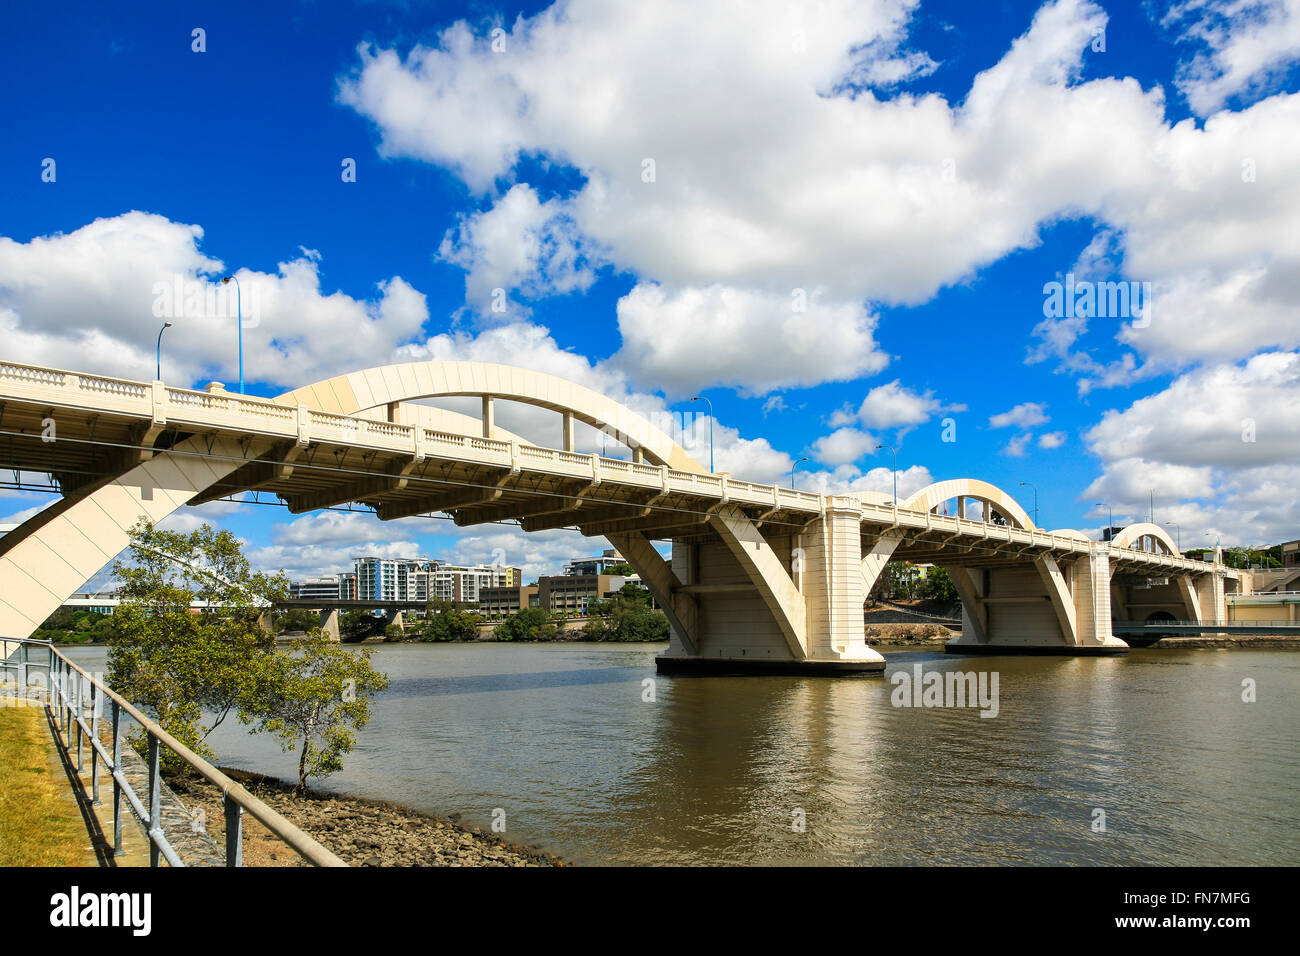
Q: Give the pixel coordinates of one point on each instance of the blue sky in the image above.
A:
(916, 173)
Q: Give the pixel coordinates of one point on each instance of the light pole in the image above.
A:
(1178, 531)
(1217, 545)
(796, 465)
(894, 470)
(710, 404)
(239, 312)
(158, 371)
(1110, 517)
(1035, 487)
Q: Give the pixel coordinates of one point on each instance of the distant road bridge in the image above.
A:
(761, 577)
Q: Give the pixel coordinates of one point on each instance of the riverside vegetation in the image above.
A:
(191, 669)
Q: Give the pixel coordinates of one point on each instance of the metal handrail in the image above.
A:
(70, 714)
(1155, 625)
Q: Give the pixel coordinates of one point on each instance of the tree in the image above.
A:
(938, 586)
(625, 616)
(357, 625)
(314, 699)
(527, 624)
(297, 619)
(622, 570)
(447, 622)
(190, 669)
(895, 582)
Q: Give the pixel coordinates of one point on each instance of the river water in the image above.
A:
(722, 770)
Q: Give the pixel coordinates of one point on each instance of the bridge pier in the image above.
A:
(770, 600)
(1044, 608)
(329, 623)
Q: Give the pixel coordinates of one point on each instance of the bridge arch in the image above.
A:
(1136, 532)
(384, 385)
(931, 496)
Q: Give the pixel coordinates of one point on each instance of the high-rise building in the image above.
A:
(422, 580)
(324, 588)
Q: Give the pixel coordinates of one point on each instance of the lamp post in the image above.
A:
(1178, 531)
(1110, 517)
(710, 404)
(796, 465)
(893, 470)
(1217, 545)
(1035, 487)
(239, 311)
(158, 370)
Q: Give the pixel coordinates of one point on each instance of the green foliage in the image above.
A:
(447, 622)
(622, 570)
(627, 616)
(189, 670)
(357, 625)
(937, 586)
(296, 619)
(895, 583)
(314, 699)
(68, 626)
(527, 624)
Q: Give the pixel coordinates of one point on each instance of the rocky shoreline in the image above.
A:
(360, 832)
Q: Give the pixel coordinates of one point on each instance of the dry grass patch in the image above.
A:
(40, 824)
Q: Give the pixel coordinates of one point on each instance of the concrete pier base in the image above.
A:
(756, 667)
(955, 646)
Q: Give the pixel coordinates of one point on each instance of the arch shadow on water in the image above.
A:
(530, 680)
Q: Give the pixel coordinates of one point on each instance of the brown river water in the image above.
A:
(818, 770)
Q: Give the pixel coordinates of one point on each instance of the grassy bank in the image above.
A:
(40, 824)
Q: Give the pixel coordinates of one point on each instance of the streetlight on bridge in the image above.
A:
(894, 457)
(796, 465)
(1177, 530)
(239, 311)
(711, 468)
(1035, 487)
(158, 370)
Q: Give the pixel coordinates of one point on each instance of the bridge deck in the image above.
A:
(313, 459)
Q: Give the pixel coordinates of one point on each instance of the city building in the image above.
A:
(498, 602)
(383, 579)
(598, 565)
(569, 594)
(423, 580)
(325, 588)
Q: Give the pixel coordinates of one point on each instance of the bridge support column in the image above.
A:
(329, 623)
(53, 553)
(788, 601)
(1210, 596)
(264, 622)
(1038, 608)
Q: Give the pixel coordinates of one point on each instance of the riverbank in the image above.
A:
(360, 832)
(908, 635)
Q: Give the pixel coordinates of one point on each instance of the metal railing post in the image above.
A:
(94, 753)
(234, 831)
(76, 721)
(117, 787)
(155, 799)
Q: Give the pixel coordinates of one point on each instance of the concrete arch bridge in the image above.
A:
(760, 577)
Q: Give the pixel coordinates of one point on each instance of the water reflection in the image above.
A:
(713, 770)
